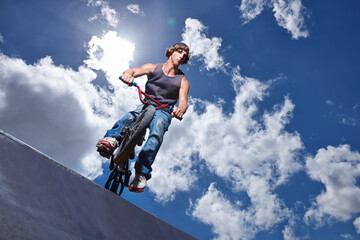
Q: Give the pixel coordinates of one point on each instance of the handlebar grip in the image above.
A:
(133, 83)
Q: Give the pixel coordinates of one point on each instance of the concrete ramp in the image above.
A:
(43, 200)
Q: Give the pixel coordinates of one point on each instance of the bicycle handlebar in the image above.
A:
(171, 108)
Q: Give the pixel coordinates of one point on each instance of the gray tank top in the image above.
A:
(163, 88)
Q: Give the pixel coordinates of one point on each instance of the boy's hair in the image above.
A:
(177, 46)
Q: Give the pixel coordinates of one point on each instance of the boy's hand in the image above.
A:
(127, 77)
(177, 113)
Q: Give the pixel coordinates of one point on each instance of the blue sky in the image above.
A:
(269, 147)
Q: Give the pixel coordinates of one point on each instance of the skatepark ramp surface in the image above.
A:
(42, 200)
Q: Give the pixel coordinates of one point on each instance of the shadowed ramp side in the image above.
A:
(41, 200)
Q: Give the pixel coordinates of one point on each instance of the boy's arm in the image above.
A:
(183, 99)
(129, 75)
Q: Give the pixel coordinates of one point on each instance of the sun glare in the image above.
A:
(111, 54)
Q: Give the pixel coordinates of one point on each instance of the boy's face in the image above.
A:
(179, 55)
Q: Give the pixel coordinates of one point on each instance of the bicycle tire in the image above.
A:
(135, 135)
(110, 180)
(115, 184)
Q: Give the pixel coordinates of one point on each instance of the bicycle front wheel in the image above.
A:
(136, 133)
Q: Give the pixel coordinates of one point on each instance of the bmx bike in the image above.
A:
(132, 133)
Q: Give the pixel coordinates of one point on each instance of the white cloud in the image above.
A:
(348, 118)
(229, 221)
(106, 12)
(290, 230)
(232, 220)
(201, 46)
(288, 233)
(252, 147)
(337, 168)
(357, 225)
(350, 121)
(1, 38)
(250, 9)
(110, 54)
(59, 110)
(135, 9)
(346, 236)
(288, 13)
(329, 102)
(50, 112)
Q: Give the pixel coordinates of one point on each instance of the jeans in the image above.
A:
(158, 126)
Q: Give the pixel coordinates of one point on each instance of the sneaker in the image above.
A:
(138, 184)
(106, 146)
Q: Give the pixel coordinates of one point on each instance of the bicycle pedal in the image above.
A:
(104, 154)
